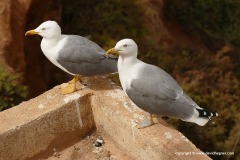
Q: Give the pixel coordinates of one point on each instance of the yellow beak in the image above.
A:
(30, 32)
(113, 51)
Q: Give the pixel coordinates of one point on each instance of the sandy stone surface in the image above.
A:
(55, 126)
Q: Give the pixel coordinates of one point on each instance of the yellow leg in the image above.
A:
(75, 79)
(71, 87)
(151, 120)
(147, 123)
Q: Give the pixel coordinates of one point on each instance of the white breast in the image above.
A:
(51, 47)
(128, 70)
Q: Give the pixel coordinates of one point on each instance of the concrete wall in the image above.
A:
(34, 128)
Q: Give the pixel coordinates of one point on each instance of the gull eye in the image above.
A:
(43, 29)
(125, 46)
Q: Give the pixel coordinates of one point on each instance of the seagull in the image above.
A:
(73, 54)
(154, 90)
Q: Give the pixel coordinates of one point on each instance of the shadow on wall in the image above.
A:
(71, 136)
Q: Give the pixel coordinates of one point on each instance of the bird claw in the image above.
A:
(145, 123)
(70, 88)
(85, 84)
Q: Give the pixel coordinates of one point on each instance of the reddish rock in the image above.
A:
(16, 51)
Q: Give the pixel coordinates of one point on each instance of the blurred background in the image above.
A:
(197, 42)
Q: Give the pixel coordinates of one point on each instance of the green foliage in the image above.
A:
(11, 92)
(105, 22)
(210, 80)
(214, 21)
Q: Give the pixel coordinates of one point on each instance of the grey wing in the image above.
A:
(79, 49)
(149, 98)
(157, 92)
(157, 82)
(82, 56)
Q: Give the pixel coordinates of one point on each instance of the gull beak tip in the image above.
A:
(30, 32)
(109, 51)
(113, 52)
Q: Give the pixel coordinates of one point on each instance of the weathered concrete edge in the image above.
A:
(23, 128)
(44, 124)
(120, 123)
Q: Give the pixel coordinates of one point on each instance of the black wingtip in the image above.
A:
(206, 113)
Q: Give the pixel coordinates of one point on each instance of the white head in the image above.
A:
(48, 29)
(125, 47)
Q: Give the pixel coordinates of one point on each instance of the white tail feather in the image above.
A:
(198, 120)
(201, 121)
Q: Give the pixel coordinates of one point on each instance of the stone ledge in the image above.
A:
(33, 128)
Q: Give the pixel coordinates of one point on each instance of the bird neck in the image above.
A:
(52, 41)
(126, 61)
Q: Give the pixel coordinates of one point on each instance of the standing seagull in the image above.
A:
(73, 54)
(154, 90)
